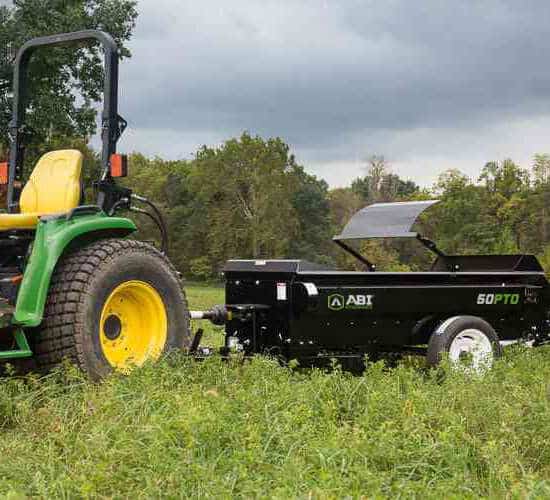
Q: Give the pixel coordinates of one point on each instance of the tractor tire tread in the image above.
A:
(59, 338)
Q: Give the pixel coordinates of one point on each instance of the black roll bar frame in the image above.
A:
(112, 125)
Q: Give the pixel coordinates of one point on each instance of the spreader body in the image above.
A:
(296, 308)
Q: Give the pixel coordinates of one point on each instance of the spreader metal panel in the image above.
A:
(385, 220)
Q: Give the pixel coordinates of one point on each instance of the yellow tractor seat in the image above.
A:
(53, 188)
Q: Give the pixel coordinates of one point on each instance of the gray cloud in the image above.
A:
(429, 84)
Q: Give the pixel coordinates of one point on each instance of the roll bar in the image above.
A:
(112, 124)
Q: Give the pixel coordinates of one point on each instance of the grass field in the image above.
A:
(203, 297)
(213, 429)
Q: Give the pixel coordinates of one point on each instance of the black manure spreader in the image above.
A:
(465, 307)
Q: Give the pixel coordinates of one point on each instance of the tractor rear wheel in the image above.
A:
(112, 305)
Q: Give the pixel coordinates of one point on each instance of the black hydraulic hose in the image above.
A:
(161, 222)
(119, 204)
(164, 237)
(156, 217)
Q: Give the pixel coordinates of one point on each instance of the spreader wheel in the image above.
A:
(469, 342)
(113, 305)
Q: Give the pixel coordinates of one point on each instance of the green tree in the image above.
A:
(506, 189)
(380, 185)
(458, 222)
(395, 188)
(246, 198)
(310, 202)
(539, 201)
(65, 82)
(384, 255)
(166, 184)
(541, 168)
(343, 203)
(246, 188)
(481, 218)
(369, 187)
(504, 178)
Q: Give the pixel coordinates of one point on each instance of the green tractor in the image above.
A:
(72, 284)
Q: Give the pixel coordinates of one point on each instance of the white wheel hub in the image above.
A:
(471, 349)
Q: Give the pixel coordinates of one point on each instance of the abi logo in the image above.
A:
(339, 302)
(336, 302)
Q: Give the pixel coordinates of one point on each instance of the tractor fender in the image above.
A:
(53, 237)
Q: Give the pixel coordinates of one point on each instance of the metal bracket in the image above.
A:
(196, 341)
(122, 125)
(369, 265)
(430, 245)
(23, 349)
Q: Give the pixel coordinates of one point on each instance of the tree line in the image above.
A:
(250, 198)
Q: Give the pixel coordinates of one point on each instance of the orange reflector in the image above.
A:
(119, 165)
(4, 169)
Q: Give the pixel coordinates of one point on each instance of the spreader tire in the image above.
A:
(112, 304)
(463, 336)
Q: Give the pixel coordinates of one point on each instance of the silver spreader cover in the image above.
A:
(385, 220)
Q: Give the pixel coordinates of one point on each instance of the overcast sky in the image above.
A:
(431, 85)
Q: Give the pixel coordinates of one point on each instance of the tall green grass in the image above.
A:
(182, 428)
(202, 297)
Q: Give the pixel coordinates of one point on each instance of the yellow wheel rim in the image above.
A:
(133, 325)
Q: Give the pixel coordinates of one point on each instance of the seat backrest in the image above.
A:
(54, 185)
